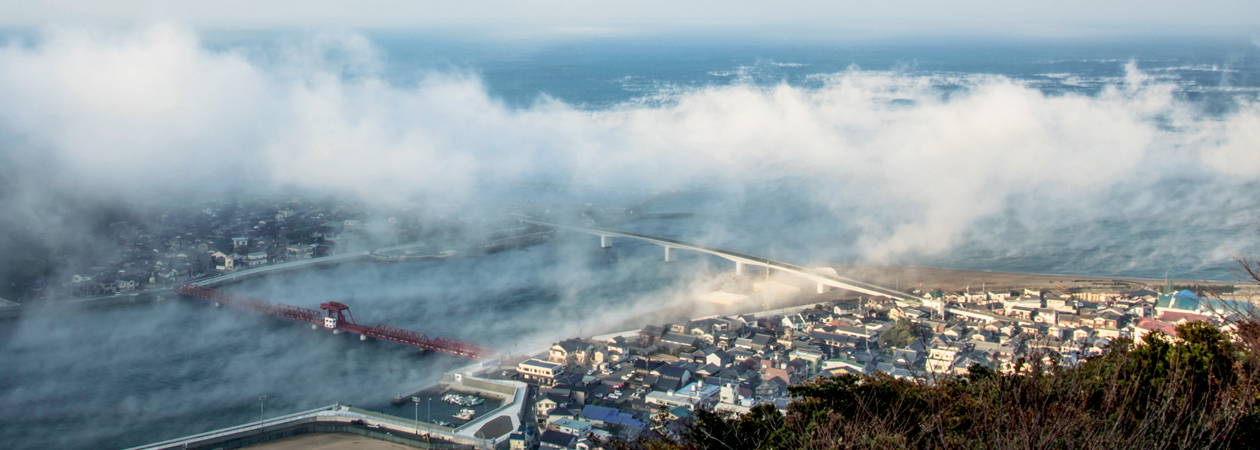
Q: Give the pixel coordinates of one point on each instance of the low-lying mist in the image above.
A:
(908, 166)
(977, 171)
(128, 376)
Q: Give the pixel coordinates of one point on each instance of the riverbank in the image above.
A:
(12, 310)
(929, 278)
(909, 278)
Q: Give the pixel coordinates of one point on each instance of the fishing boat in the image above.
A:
(465, 414)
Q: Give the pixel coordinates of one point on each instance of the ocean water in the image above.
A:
(130, 376)
(603, 74)
(1166, 217)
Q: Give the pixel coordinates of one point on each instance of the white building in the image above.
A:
(539, 371)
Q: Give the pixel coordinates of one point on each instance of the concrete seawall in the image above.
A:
(399, 430)
(330, 419)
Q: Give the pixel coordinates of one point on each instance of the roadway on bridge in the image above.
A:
(738, 257)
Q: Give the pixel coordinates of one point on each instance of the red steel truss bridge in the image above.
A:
(338, 319)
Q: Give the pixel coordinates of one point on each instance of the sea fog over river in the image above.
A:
(129, 376)
(1131, 158)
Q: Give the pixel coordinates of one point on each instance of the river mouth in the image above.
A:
(121, 377)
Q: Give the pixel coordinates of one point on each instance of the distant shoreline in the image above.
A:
(961, 279)
(79, 305)
(893, 276)
(910, 277)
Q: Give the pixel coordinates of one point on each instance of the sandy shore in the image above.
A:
(927, 278)
(904, 278)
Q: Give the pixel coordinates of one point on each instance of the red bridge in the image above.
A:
(338, 318)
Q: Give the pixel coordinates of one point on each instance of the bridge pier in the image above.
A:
(827, 279)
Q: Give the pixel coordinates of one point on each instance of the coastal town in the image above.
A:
(652, 380)
(583, 391)
(152, 247)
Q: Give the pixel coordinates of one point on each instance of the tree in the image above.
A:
(900, 335)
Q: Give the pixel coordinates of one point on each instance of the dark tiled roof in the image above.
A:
(557, 438)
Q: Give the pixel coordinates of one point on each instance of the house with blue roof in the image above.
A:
(600, 415)
(1181, 301)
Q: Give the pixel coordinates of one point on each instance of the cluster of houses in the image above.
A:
(162, 247)
(626, 385)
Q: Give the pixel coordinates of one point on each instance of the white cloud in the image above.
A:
(143, 110)
(117, 106)
(1234, 143)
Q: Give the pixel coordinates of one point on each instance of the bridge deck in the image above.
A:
(740, 257)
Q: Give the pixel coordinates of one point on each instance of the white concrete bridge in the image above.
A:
(742, 260)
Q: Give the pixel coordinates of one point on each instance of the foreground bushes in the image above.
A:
(1195, 391)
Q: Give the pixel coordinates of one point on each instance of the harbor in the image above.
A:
(443, 406)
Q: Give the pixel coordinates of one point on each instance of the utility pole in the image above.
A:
(416, 401)
(262, 402)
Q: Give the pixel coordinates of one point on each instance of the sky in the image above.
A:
(553, 18)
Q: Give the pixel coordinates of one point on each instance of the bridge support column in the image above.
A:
(314, 327)
(739, 268)
(669, 254)
(363, 337)
(336, 331)
(605, 241)
(822, 288)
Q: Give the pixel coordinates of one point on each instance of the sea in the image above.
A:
(129, 376)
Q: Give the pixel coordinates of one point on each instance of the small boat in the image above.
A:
(465, 414)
